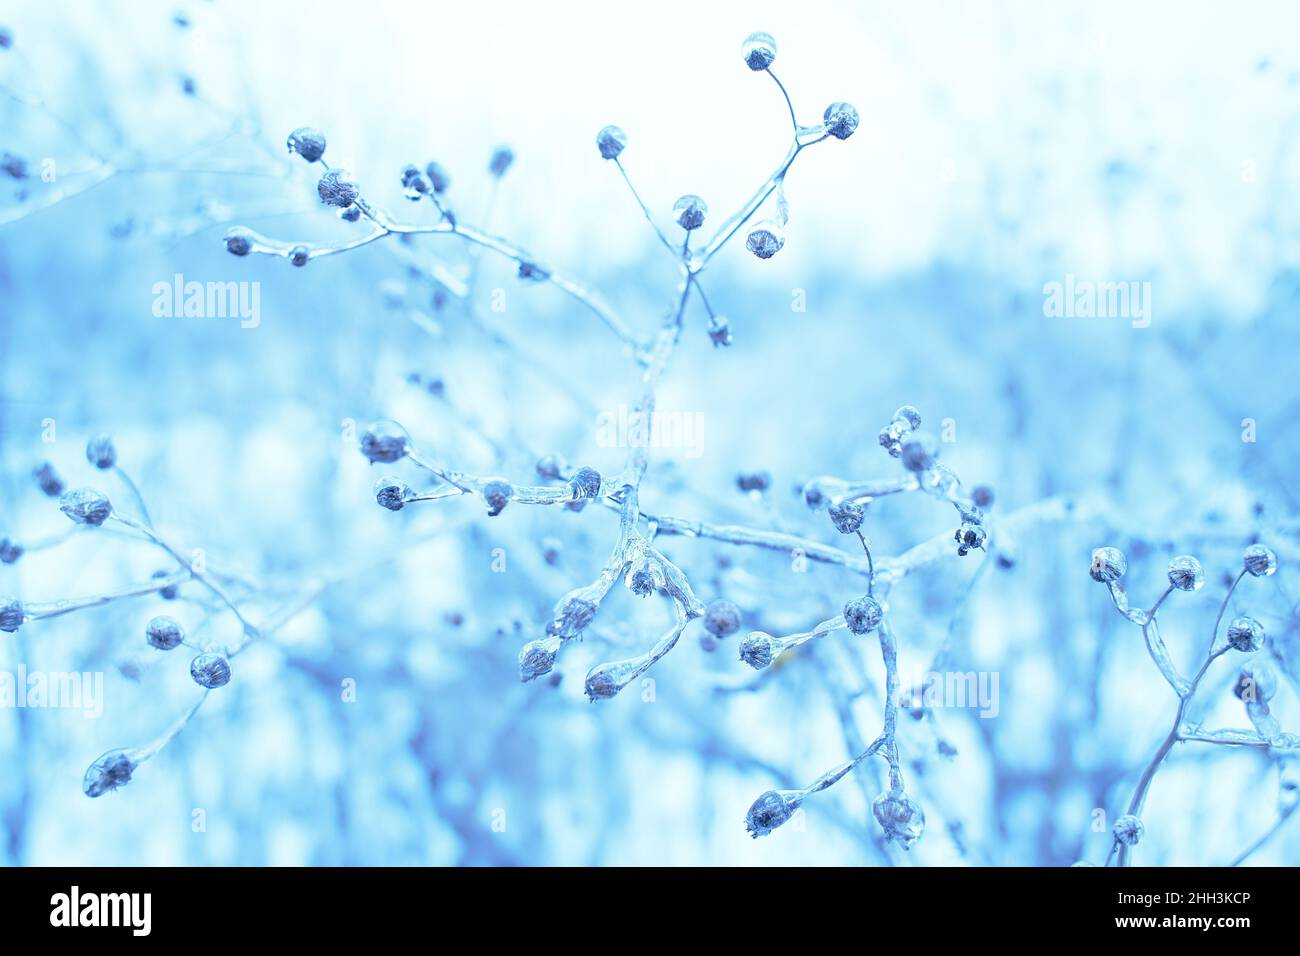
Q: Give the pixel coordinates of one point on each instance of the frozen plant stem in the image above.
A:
(201, 576)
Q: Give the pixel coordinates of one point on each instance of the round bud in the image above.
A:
(754, 481)
(169, 592)
(110, 771)
(919, 453)
(900, 817)
(1108, 565)
(86, 506)
(768, 812)
(299, 255)
(497, 494)
(1259, 561)
(1257, 683)
(689, 211)
(756, 649)
(502, 159)
(307, 142)
(1246, 634)
(585, 483)
(841, 119)
(969, 537)
(611, 141)
(10, 551)
(846, 516)
(210, 671)
(336, 188)
(11, 614)
(863, 614)
(722, 618)
(392, 493)
(765, 239)
(48, 479)
(909, 415)
(164, 633)
(1128, 830)
(982, 496)
(759, 51)
(101, 453)
(414, 182)
(551, 467)
(535, 659)
(239, 242)
(439, 178)
(1185, 573)
(384, 441)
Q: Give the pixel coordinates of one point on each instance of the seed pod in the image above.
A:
(101, 453)
(1186, 574)
(611, 141)
(900, 817)
(210, 671)
(164, 633)
(336, 188)
(11, 614)
(1259, 561)
(307, 142)
(840, 119)
(1108, 565)
(756, 649)
(392, 493)
(1128, 830)
(863, 615)
(1246, 634)
(110, 771)
(758, 50)
(722, 618)
(585, 483)
(384, 441)
(846, 516)
(689, 211)
(765, 239)
(86, 506)
(239, 242)
(497, 494)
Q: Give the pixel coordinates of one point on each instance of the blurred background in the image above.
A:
(1003, 147)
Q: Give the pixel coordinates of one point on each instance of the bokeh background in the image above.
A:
(1002, 146)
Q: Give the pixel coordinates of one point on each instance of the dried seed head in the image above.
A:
(846, 516)
(1257, 683)
(384, 441)
(1246, 634)
(585, 483)
(11, 614)
(164, 633)
(101, 453)
(497, 494)
(336, 188)
(756, 649)
(759, 51)
(110, 771)
(536, 658)
(307, 142)
(85, 506)
(689, 211)
(1128, 830)
(722, 618)
(969, 537)
(299, 256)
(900, 817)
(770, 811)
(415, 183)
(1108, 565)
(570, 616)
(210, 671)
(600, 684)
(392, 493)
(841, 119)
(611, 141)
(48, 479)
(1259, 561)
(863, 614)
(1186, 574)
(765, 239)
